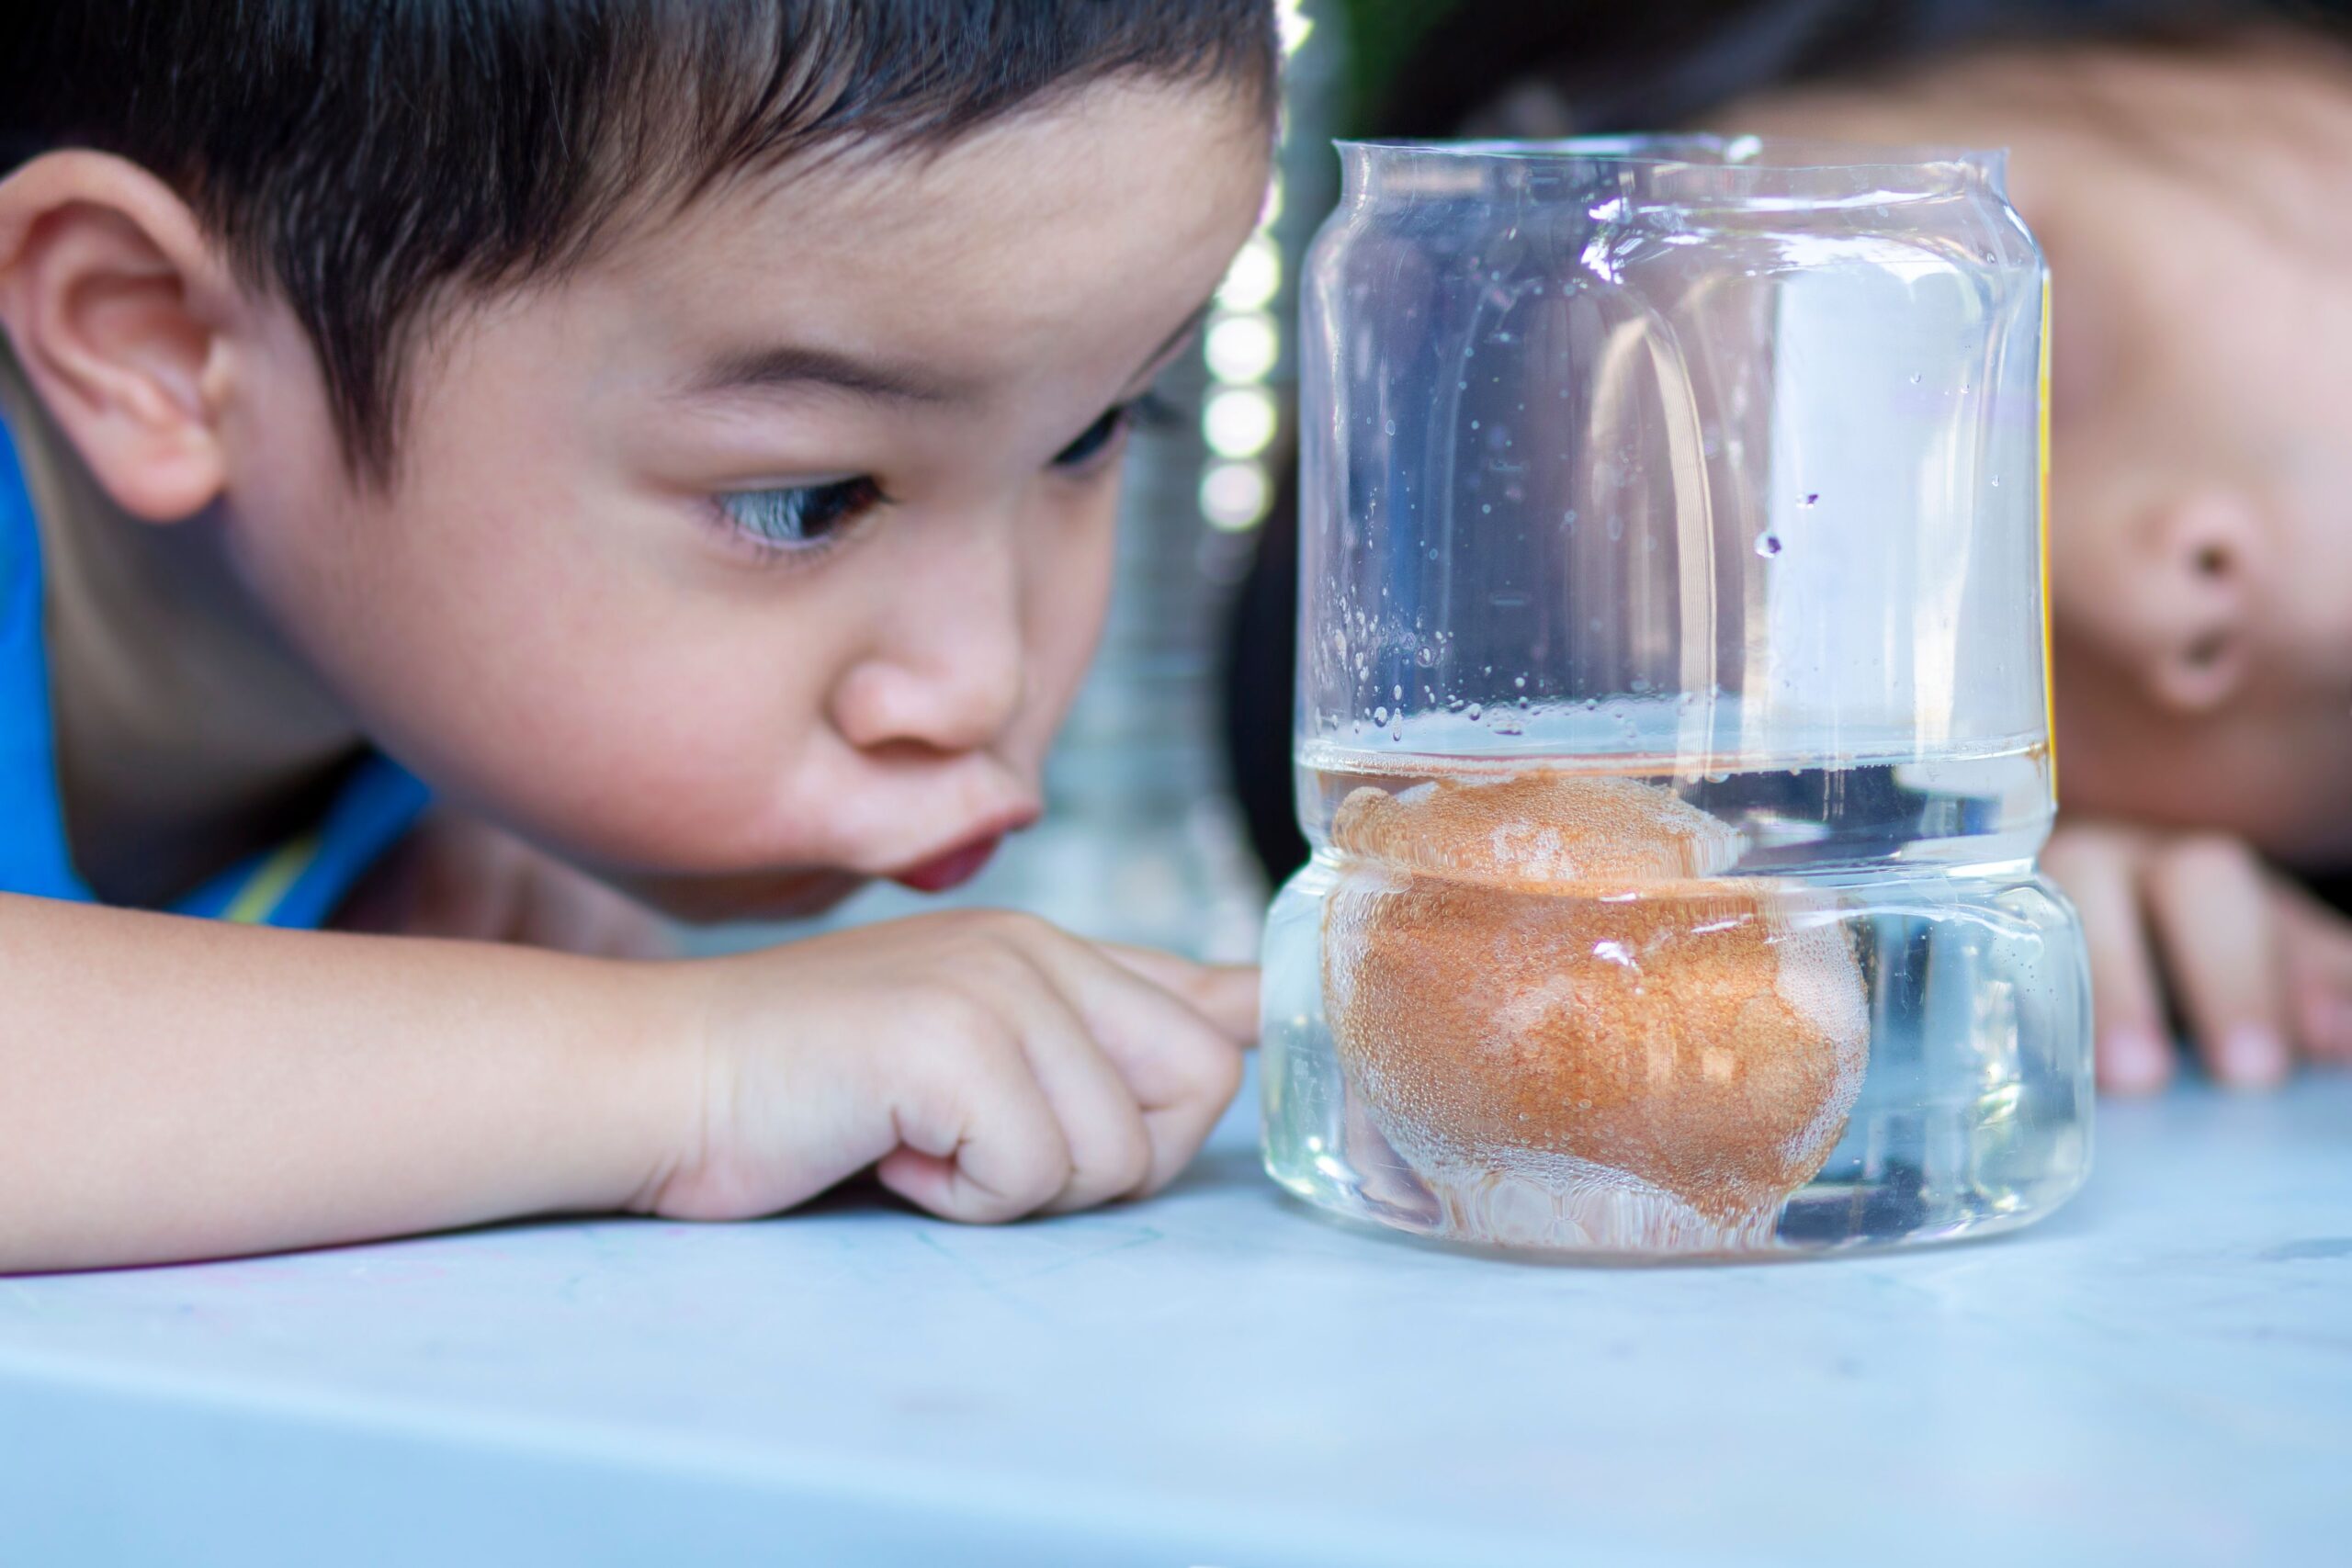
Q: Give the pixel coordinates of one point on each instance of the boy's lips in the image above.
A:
(952, 868)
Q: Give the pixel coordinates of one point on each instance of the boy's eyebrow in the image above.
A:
(788, 367)
(1184, 328)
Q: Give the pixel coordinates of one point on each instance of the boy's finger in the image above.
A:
(2206, 900)
(1225, 993)
(980, 1142)
(1181, 1068)
(2098, 870)
(1110, 1147)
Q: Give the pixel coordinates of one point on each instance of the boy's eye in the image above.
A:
(1149, 408)
(799, 518)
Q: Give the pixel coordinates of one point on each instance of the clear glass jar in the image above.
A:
(1673, 727)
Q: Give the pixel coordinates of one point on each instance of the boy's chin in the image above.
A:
(715, 900)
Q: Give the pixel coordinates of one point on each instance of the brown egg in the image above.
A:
(1536, 986)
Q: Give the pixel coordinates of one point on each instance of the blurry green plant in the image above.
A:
(1381, 36)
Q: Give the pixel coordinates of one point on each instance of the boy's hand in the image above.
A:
(987, 1064)
(2259, 969)
(460, 878)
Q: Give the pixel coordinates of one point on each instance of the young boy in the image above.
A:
(2186, 164)
(680, 436)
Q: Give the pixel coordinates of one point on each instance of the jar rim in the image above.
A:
(1744, 169)
(1700, 149)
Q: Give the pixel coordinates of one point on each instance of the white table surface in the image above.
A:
(2160, 1373)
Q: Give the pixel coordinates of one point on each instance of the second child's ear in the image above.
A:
(118, 307)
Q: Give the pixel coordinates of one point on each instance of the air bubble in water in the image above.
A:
(1811, 498)
(1473, 710)
(1380, 716)
(1769, 544)
(1397, 692)
(1521, 682)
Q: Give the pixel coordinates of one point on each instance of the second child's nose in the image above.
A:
(2191, 605)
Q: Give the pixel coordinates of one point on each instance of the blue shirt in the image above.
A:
(299, 884)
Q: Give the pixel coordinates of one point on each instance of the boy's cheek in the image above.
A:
(605, 765)
(1069, 600)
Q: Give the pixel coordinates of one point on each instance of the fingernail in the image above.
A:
(2327, 1026)
(2136, 1062)
(2253, 1056)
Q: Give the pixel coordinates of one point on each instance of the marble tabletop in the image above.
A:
(2160, 1373)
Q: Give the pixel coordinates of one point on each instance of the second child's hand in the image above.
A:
(2258, 971)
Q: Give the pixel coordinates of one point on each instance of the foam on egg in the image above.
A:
(1573, 1029)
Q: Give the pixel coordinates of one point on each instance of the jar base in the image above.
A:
(1973, 1119)
(1512, 1218)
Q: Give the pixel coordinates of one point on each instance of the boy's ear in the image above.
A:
(117, 308)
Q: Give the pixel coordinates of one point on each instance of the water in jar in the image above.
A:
(1843, 1009)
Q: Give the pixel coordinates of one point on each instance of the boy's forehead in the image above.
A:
(1083, 224)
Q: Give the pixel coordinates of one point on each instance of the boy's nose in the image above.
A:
(950, 677)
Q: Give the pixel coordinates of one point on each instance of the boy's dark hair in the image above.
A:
(363, 156)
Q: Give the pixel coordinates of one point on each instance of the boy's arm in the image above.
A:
(173, 1087)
